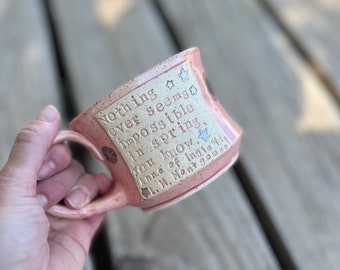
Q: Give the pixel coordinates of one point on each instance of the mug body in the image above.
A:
(162, 135)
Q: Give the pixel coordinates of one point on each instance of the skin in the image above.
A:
(29, 237)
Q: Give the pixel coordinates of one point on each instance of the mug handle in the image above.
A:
(115, 198)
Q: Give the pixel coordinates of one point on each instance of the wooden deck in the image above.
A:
(275, 66)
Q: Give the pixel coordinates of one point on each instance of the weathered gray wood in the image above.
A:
(292, 127)
(27, 75)
(27, 70)
(106, 43)
(315, 25)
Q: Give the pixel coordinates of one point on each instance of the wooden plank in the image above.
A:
(27, 70)
(292, 127)
(27, 74)
(106, 43)
(314, 25)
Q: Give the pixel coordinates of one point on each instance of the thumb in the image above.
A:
(19, 176)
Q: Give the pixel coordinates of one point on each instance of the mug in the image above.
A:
(162, 136)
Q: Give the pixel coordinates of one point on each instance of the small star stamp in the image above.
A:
(170, 84)
(193, 90)
(183, 75)
(203, 134)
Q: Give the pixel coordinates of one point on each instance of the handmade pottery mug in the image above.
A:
(162, 136)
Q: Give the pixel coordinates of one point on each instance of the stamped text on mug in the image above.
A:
(164, 130)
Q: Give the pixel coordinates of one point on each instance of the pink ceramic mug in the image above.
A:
(162, 136)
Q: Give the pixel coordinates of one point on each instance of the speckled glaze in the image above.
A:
(161, 135)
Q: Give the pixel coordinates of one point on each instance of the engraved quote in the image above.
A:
(164, 130)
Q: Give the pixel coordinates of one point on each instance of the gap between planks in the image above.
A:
(320, 73)
(274, 239)
(100, 248)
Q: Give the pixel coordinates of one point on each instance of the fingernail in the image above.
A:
(42, 199)
(77, 198)
(48, 114)
(46, 169)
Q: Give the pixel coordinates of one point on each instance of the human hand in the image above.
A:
(29, 237)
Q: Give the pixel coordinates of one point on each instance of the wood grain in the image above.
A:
(105, 44)
(292, 126)
(314, 25)
(28, 79)
(27, 74)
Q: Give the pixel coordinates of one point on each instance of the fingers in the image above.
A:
(54, 189)
(77, 187)
(104, 183)
(86, 189)
(57, 159)
(19, 175)
(83, 192)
